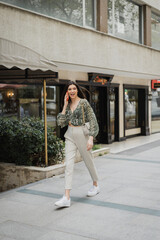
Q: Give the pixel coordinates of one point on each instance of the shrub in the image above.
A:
(96, 147)
(23, 143)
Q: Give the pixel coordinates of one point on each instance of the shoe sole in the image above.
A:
(93, 195)
(62, 205)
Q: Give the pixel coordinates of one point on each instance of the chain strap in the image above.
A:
(83, 114)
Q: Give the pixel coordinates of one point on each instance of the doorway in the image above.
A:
(136, 110)
(104, 101)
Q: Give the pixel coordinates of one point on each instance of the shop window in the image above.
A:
(80, 12)
(131, 108)
(8, 101)
(51, 105)
(124, 20)
(155, 110)
(19, 101)
(155, 23)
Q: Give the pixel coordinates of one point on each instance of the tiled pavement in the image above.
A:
(127, 208)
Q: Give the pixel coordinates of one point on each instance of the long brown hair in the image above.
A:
(80, 89)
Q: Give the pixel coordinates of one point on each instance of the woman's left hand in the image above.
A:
(90, 143)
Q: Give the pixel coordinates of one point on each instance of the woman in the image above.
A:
(76, 112)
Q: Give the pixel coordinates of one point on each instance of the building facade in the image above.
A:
(111, 47)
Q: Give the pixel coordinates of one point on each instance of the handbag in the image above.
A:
(86, 126)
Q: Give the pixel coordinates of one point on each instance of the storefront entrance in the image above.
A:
(104, 101)
(155, 106)
(135, 110)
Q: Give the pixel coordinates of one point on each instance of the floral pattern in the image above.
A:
(76, 117)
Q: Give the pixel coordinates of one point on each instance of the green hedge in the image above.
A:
(23, 143)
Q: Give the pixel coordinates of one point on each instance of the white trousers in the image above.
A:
(75, 139)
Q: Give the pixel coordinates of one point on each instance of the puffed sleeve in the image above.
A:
(62, 120)
(94, 128)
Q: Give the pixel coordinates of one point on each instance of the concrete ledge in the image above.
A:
(13, 176)
(100, 152)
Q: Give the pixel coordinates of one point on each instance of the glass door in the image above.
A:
(112, 114)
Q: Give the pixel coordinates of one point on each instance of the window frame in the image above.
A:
(158, 15)
(141, 26)
(94, 15)
(51, 17)
(137, 106)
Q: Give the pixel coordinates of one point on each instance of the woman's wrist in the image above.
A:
(91, 138)
(90, 143)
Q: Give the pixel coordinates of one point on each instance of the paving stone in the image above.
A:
(20, 231)
(127, 208)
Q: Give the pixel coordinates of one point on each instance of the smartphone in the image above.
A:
(67, 96)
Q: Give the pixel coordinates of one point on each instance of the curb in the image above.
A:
(13, 176)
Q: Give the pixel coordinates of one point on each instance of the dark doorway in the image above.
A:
(104, 101)
(143, 111)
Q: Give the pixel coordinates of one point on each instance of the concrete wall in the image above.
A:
(69, 44)
(153, 3)
(13, 176)
(72, 75)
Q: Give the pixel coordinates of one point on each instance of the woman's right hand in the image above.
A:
(66, 98)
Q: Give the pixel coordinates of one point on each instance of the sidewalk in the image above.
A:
(127, 208)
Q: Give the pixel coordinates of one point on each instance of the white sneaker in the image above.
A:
(63, 202)
(93, 191)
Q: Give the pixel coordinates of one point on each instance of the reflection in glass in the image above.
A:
(124, 20)
(112, 114)
(155, 21)
(80, 12)
(131, 108)
(89, 8)
(19, 101)
(51, 104)
(155, 108)
(8, 103)
(70, 10)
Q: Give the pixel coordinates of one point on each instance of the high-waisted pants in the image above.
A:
(75, 139)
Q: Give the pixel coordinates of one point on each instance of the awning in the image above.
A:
(15, 55)
(19, 64)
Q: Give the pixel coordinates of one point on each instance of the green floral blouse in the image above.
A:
(76, 117)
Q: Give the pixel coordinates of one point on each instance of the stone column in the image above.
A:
(102, 16)
(147, 25)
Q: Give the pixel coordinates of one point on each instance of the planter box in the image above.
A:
(12, 176)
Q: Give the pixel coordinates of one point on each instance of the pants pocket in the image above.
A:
(86, 129)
